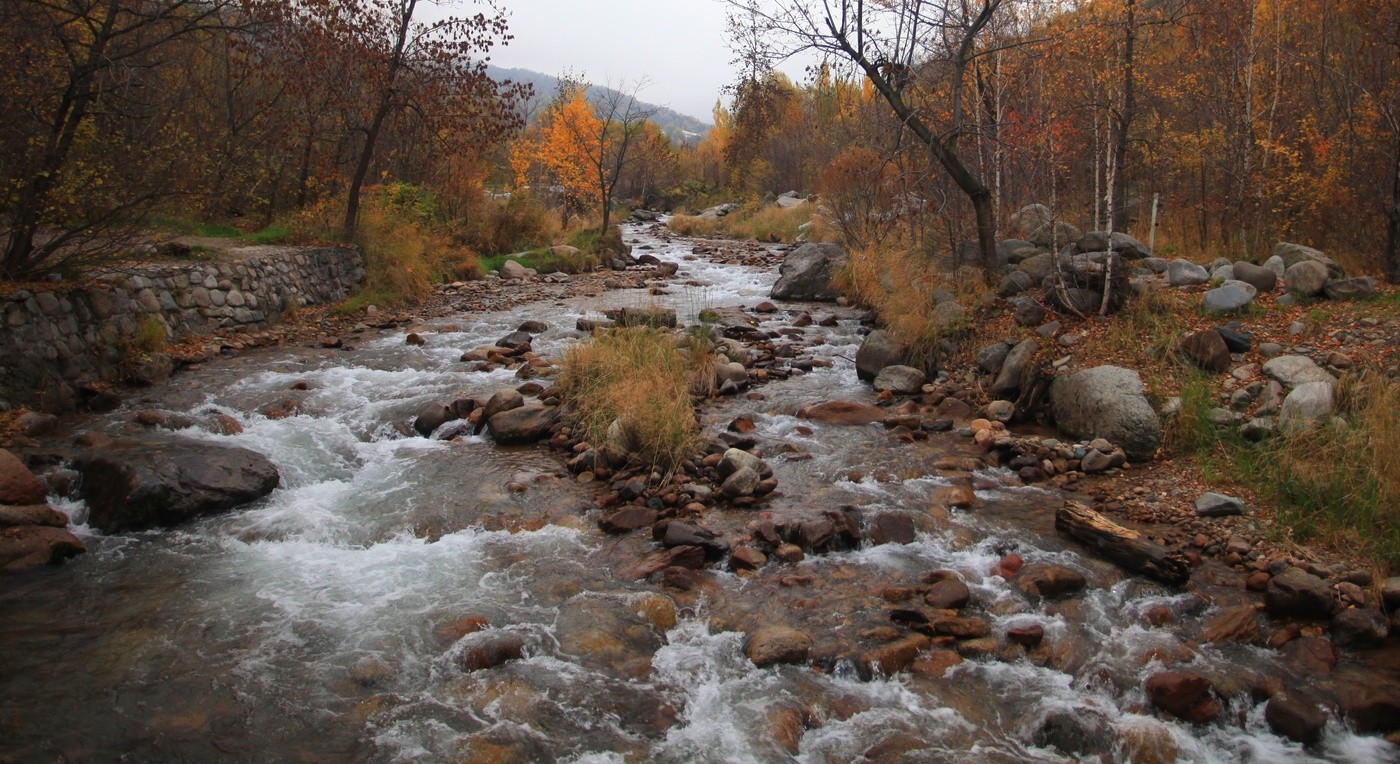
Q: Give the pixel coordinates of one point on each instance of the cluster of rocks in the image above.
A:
(56, 341)
(31, 532)
(1300, 272)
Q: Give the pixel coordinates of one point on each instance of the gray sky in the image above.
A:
(679, 45)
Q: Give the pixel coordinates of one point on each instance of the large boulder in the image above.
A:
(523, 425)
(17, 484)
(1031, 217)
(1008, 379)
(1307, 403)
(132, 486)
(1358, 288)
(1295, 370)
(1007, 248)
(1128, 247)
(806, 273)
(1296, 593)
(1039, 267)
(1229, 297)
(1107, 402)
(1292, 254)
(902, 380)
(1258, 276)
(1207, 348)
(1055, 235)
(777, 644)
(1183, 272)
(877, 351)
(513, 271)
(1306, 278)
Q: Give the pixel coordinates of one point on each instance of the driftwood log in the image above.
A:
(1125, 548)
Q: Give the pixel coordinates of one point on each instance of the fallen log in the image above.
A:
(1125, 548)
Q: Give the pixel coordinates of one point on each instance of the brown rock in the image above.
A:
(30, 546)
(1295, 717)
(897, 656)
(948, 595)
(935, 664)
(627, 519)
(785, 727)
(841, 412)
(790, 553)
(1207, 348)
(1371, 708)
(746, 558)
(957, 496)
(1237, 625)
(891, 528)
(962, 628)
(491, 651)
(455, 630)
(1183, 694)
(1028, 636)
(1049, 581)
(32, 514)
(777, 644)
(1311, 654)
(17, 484)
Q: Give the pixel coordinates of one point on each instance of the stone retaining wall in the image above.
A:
(54, 341)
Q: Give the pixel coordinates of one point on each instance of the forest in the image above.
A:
(1236, 123)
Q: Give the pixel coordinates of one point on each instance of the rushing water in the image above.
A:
(304, 627)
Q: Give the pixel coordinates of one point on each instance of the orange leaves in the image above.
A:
(573, 144)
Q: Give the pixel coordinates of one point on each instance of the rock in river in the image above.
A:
(806, 273)
(131, 486)
(523, 425)
(777, 644)
(17, 484)
(1107, 402)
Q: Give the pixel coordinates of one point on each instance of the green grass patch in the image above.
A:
(358, 302)
(544, 261)
(273, 234)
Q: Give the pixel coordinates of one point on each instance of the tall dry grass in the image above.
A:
(1338, 482)
(631, 388)
(898, 285)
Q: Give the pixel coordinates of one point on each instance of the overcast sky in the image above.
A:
(678, 44)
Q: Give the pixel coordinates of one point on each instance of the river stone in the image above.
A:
(513, 271)
(432, 416)
(1055, 235)
(1235, 342)
(1048, 581)
(479, 651)
(902, 380)
(1307, 403)
(1295, 716)
(948, 594)
(841, 412)
(1218, 505)
(1107, 402)
(737, 459)
(1358, 288)
(31, 514)
(1305, 279)
(504, 400)
(1295, 370)
(17, 484)
(806, 273)
(877, 351)
(1296, 593)
(628, 519)
(1359, 628)
(1038, 267)
(1184, 694)
(1371, 706)
(1009, 379)
(1015, 283)
(1029, 312)
(31, 546)
(522, 425)
(1207, 348)
(777, 644)
(891, 528)
(990, 358)
(1229, 297)
(1259, 277)
(1292, 254)
(138, 486)
(740, 484)
(1183, 272)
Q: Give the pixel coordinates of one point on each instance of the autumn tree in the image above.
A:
(917, 55)
(86, 144)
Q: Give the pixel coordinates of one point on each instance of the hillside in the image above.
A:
(676, 126)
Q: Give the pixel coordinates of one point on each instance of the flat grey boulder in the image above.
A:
(134, 486)
(1358, 288)
(1008, 380)
(1294, 370)
(806, 273)
(1218, 505)
(902, 380)
(1228, 297)
(1183, 272)
(1292, 254)
(991, 357)
(877, 351)
(1107, 402)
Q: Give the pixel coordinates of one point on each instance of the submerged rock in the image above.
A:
(32, 546)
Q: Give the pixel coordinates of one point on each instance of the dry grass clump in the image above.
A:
(1338, 481)
(899, 285)
(631, 389)
(771, 224)
(693, 225)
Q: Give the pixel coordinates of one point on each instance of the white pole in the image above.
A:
(1152, 234)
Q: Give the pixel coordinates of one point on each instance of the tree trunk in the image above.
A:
(1125, 121)
(1125, 548)
(1392, 242)
(386, 100)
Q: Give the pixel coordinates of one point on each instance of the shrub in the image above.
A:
(518, 224)
(898, 285)
(690, 225)
(631, 387)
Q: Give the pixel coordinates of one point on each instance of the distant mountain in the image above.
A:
(678, 127)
